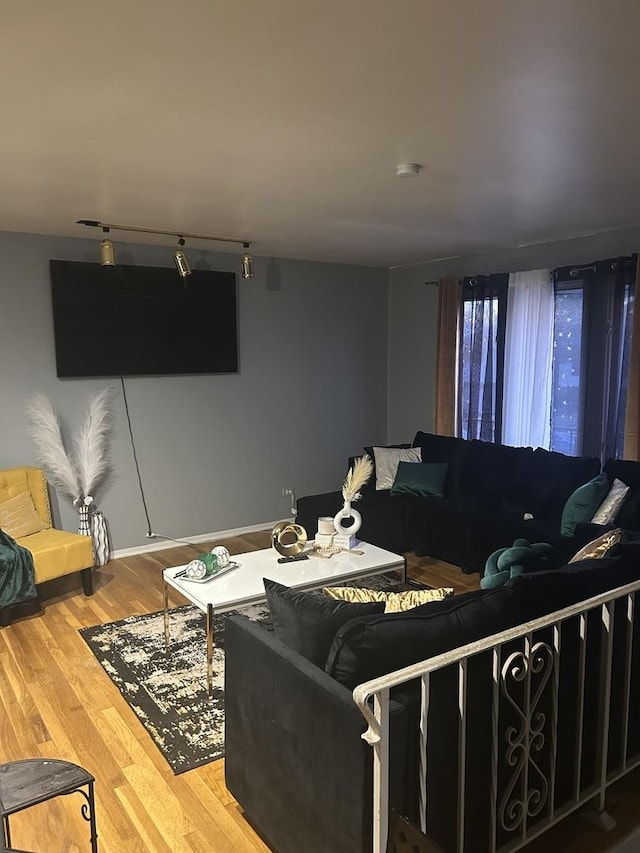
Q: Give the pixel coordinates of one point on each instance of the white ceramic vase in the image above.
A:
(347, 512)
(100, 538)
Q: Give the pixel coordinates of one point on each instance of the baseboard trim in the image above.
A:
(157, 542)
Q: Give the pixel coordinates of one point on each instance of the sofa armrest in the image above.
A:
(311, 507)
(295, 759)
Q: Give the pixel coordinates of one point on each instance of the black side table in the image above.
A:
(35, 780)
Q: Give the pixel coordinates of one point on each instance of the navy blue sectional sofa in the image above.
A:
(488, 490)
(295, 760)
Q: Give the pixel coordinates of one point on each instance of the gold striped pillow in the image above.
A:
(394, 601)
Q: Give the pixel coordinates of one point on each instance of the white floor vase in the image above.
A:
(100, 538)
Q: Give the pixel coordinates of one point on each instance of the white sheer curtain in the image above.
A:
(526, 414)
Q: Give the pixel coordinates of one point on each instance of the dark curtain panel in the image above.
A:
(448, 314)
(631, 448)
(484, 300)
(608, 288)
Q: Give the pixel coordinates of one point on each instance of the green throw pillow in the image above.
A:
(583, 503)
(420, 479)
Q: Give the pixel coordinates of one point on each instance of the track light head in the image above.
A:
(107, 256)
(182, 264)
(247, 262)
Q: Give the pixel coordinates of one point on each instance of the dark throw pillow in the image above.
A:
(307, 621)
(420, 479)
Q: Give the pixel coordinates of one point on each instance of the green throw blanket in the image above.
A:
(16, 572)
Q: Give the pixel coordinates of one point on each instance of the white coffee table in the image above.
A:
(244, 585)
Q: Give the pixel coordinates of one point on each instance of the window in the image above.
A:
(484, 301)
(479, 345)
(567, 353)
(593, 321)
(593, 318)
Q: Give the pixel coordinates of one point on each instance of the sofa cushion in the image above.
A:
(394, 602)
(387, 460)
(438, 448)
(517, 497)
(18, 516)
(58, 552)
(443, 448)
(478, 468)
(583, 502)
(565, 472)
(626, 470)
(371, 646)
(629, 513)
(546, 592)
(439, 527)
(420, 479)
(307, 621)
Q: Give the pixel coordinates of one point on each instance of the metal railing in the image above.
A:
(525, 667)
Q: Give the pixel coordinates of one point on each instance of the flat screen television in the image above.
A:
(142, 321)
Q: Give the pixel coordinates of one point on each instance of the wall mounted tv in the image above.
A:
(142, 321)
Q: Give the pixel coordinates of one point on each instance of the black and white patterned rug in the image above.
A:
(168, 691)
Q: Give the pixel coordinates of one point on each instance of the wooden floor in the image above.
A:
(56, 702)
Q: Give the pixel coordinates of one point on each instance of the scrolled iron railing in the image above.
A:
(524, 728)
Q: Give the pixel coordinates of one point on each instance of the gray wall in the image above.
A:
(214, 451)
(413, 314)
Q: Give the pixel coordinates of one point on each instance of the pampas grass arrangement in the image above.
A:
(357, 478)
(92, 443)
(50, 450)
(77, 475)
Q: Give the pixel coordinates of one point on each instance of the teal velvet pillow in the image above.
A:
(420, 479)
(583, 503)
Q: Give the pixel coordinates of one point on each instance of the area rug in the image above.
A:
(168, 692)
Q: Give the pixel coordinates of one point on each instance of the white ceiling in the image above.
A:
(282, 121)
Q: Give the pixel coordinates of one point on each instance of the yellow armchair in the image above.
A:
(55, 552)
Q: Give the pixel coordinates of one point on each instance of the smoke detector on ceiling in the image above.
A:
(408, 170)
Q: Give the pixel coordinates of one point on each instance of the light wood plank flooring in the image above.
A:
(56, 701)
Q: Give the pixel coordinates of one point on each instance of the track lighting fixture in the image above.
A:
(182, 264)
(107, 255)
(247, 262)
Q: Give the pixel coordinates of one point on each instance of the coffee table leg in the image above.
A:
(165, 600)
(209, 648)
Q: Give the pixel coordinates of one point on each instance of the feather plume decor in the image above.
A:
(76, 474)
(92, 443)
(51, 452)
(357, 478)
